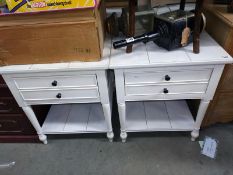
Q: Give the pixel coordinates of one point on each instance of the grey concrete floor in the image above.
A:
(160, 153)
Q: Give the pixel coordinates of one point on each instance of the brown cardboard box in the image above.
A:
(52, 37)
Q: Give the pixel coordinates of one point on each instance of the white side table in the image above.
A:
(79, 91)
(152, 85)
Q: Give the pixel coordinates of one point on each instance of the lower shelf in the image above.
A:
(75, 118)
(158, 116)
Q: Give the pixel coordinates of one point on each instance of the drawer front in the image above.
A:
(9, 105)
(55, 81)
(68, 94)
(168, 77)
(198, 88)
(11, 124)
(4, 91)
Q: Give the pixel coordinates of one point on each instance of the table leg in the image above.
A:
(32, 117)
(132, 10)
(182, 4)
(122, 113)
(200, 115)
(107, 115)
(196, 32)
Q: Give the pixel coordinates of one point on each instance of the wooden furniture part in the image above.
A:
(220, 26)
(79, 92)
(230, 6)
(52, 37)
(196, 31)
(116, 3)
(152, 85)
(132, 17)
(14, 125)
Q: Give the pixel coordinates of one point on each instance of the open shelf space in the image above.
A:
(158, 116)
(75, 118)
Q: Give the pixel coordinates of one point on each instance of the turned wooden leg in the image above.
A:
(123, 136)
(200, 115)
(110, 136)
(107, 115)
(32, 117)
(122, 113)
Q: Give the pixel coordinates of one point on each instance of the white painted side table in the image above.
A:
(152, 85)
(79, 91)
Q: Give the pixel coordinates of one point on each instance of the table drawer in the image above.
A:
(56, 81)
(9, 105)
(4, 91)
(168, 77)
(153, 89)
(64, 94)
(13, 124)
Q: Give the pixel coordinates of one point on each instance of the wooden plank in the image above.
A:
(78, 118)
(96, 121)
(137, 58)
(135, 116)
(156, 115)
(75, 118)
(210, 51)
(179, 115)
(56, 118)
(160, 55)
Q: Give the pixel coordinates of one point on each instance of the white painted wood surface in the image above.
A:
(141, 76)
(150, 55)
(158, 116)
(62, 81)
(75, 118)
(149, 77)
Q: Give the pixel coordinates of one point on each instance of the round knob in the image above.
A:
(167, 78)
(165, 91)
(0, 125)
(58, 95)
(54, 83)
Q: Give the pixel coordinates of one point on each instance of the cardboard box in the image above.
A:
(21, 6)
(52, 37)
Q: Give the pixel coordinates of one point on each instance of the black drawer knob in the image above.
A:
(54, 83)
(0, 125)
(165, 91)
(58, 95)
(167, 78)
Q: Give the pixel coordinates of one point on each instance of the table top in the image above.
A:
(151, 55)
